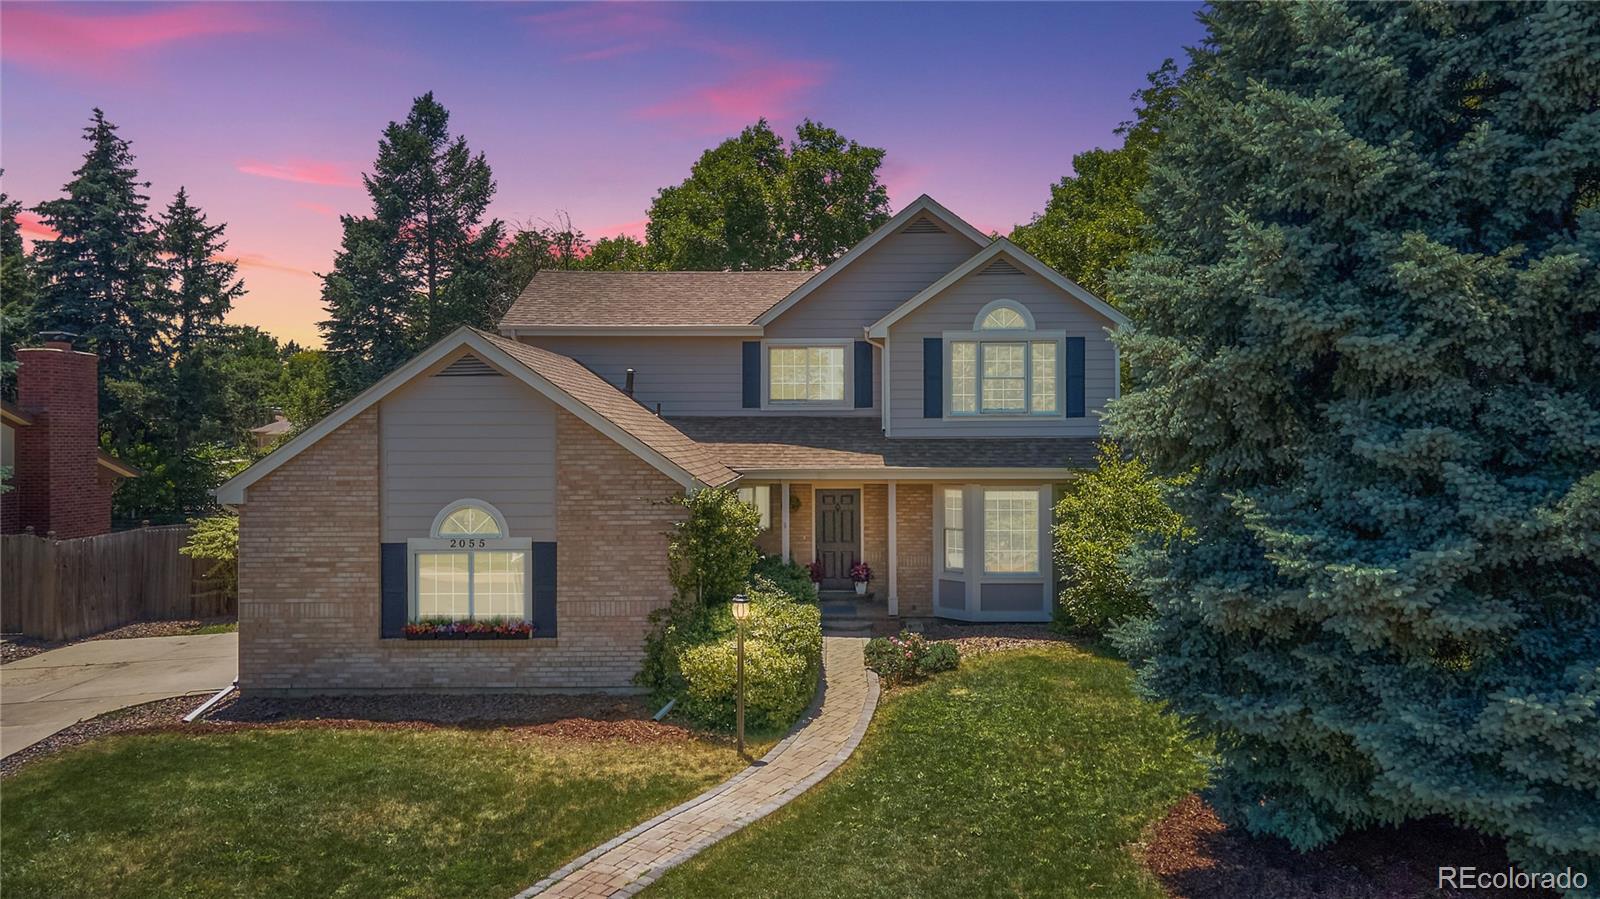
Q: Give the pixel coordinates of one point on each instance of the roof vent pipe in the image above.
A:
(627, 386)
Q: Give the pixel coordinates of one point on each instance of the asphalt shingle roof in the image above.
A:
(583, 385)
(760, 442)
(648, 299)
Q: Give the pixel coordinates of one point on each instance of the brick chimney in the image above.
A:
(57, 477)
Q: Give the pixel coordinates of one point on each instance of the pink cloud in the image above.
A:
(774, 91)
(634, 229)
(304, 171)
(264, 263)
(318, 208)
(77, 40)
(33, 228)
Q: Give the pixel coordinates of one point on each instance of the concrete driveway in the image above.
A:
(53, 690)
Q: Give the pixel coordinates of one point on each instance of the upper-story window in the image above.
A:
(1004, 366)
(807, 374)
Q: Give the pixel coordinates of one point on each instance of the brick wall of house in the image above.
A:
(57, 477)
(309, 606)
(875, 536)
(914, 542)
(803, 524)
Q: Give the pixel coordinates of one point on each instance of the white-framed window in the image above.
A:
(806, 373)
(1011, 533)
(955, 530)
(470, 567)
(1003, 366)
(759, 496)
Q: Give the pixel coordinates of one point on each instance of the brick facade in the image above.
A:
(309, 605)
(58, 477)
(914, 544)
(875, 536)
(803, 524)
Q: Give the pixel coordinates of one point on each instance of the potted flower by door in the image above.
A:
(861, 573)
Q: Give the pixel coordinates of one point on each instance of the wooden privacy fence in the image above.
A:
(63, 589)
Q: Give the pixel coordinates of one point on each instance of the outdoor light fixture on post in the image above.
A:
(741, 613)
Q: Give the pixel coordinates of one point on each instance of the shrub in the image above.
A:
(692, 656)
(909, 657)
(216, 539)
(790, 577)
(1104, 513)
(713, 548)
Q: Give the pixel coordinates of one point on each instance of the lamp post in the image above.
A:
(741, 613)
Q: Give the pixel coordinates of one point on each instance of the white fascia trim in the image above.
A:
(232, 491)
(879, 475)
(632, 331)
(880, 328)
(918, 206)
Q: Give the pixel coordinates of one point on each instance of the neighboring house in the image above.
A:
(272, 431)
(914, 405)
(60, 481)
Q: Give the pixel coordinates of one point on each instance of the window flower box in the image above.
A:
(469, 630)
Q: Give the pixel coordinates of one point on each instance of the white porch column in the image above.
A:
(788, 556)
(894, 551)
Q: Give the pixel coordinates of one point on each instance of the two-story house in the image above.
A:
(913, 405)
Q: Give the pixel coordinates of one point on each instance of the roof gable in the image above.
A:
(922, 207)
(562, 302)
(1018, 257)
(561, 379)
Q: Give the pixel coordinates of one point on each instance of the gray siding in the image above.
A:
(488, 438)
(686, 375)
(954, 310)
(894, 271)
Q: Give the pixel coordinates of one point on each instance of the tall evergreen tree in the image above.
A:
(371, 311)
(1092, 223)
(430, 192)
(753, 203)
(199, 288)
(1371, 327)
(19, 294)
(97, 275)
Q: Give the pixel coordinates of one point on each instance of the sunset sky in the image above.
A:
(268, 113)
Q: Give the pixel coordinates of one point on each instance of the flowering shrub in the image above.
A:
(817, 571)
(909, 657)
(860, 572)
(491, 629)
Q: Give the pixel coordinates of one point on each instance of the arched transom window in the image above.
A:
(470, 568)
(1004, 366)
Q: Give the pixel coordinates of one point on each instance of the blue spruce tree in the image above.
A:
(1371, 328)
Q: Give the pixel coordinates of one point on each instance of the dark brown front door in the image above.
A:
(838, 535)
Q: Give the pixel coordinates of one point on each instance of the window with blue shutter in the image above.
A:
(752, 374)
(863, 373)
(1075, 378)
(933, 377)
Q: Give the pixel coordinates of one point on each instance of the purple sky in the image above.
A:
(269, 112)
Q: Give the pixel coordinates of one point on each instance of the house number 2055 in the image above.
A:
(468, 542)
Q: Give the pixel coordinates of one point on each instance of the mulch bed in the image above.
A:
(178, 628)
(578, 717)
(1196, 856)
(977, 639)
(15, 648)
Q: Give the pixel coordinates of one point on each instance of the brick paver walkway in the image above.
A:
(634, 860)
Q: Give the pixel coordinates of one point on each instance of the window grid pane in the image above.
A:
(955, 538)
(1044, 377)
(810, 374)
(498, 581)
(1003, 319)
(1005, 385)
(470, 520)
(443, 585)
(759, 496)
(1011, 531)
(964, 376)
(788, 375)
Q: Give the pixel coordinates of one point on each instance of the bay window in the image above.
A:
(806, 374)
(470, 568)
(955, 533)
(1004, 367)
(759, 496)
(1011, 531)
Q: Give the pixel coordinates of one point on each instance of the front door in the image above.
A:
(838, 535)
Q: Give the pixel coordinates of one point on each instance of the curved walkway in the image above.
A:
(634, 860)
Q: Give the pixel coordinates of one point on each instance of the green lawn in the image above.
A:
(1025, 773)
(224, 628)
(320, 812)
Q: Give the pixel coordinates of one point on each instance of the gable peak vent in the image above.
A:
(1001, 267)
(923, 225)
(468, 366)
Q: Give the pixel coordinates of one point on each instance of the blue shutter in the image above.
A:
(544, 589)
(863, 375)
(933, 377)
(1075, 377)
(392, 589)
(752, 374)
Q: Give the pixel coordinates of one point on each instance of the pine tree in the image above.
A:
(1371, 327)
(431, 193)
(370, 308)
(19, 294)
(97, 275)
(198, 290)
